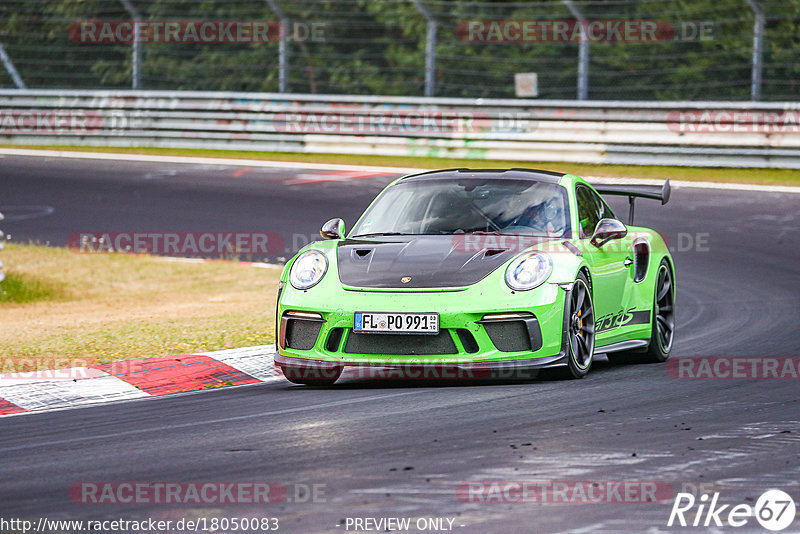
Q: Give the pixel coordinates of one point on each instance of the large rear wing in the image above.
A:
(632, 191)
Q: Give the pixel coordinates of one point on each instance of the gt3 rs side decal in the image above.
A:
(622, 318)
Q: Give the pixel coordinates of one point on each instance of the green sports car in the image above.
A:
(481, 271)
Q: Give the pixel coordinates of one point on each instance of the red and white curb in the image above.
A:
(336, 176)
(132, 379)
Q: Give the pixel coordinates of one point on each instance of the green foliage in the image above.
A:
(378, 47)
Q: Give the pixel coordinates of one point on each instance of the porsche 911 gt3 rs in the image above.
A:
(479, 269)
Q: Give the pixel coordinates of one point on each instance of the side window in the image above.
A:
(590, 210)
(606, 211)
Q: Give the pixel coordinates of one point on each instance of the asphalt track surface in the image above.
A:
(399, 449)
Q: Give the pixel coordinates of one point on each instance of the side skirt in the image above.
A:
(632, 344)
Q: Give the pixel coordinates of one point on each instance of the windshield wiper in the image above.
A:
(380, 234)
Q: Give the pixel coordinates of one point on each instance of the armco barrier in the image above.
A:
(2, 246)
(716, 134)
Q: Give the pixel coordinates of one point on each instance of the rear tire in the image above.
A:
(309, 376)
(580, 328)
(663, 324)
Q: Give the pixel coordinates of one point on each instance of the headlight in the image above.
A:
(308, 269)
(528, 271)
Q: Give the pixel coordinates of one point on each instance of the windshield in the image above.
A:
(447, 206)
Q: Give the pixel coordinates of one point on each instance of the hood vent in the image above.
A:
(493, 252)
(361, 253)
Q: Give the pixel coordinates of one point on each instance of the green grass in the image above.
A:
(708, 174)
(58, 304)
(22, 289)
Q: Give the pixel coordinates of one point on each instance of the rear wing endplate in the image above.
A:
(632, 191)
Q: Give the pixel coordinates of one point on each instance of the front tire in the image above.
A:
(580, 328)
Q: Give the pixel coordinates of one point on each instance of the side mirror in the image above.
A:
(606, 230)
(333, 229)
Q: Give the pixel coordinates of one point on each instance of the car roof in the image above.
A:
(511, 174)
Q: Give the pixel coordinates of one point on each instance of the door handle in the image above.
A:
(627, 262)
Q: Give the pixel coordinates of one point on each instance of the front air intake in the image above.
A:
(299, 330)
(334, 340)
(509, 336)
(513, 332)
(400, 344)
(467, 340)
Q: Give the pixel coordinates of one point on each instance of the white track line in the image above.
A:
(201, 160)
(233, 162)
(678, 184)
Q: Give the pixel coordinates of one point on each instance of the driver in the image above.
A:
(544, 217)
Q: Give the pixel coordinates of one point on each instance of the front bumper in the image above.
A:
(467, 341)
(428, 369)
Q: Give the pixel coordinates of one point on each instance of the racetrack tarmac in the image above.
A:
(377, 448)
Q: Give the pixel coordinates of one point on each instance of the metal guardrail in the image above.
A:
(2, 246)
(715, 134)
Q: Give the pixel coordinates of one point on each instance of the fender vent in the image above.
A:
(641, 258)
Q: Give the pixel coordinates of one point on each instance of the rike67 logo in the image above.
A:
(774, 510)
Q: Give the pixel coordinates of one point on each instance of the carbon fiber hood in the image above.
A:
(429, 262)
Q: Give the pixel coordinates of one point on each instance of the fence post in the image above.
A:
(12, 70)
(758, 50)
(136, 46)
(430, 46)
(583, 52)
(283, 46)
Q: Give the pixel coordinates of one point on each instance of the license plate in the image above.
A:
(396, 323)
